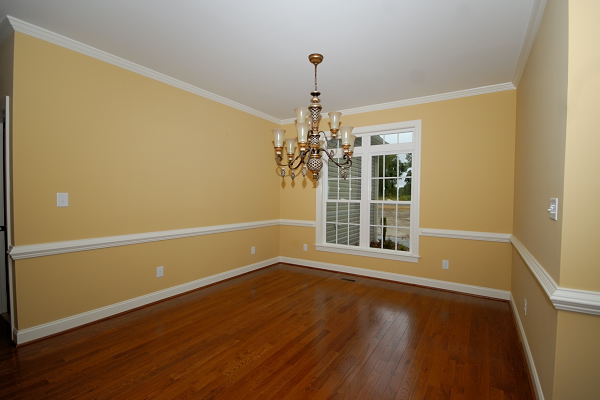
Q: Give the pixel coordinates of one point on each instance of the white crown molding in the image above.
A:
(535, 20)
(70, 246)
(468, 235)
(528, 354)
(64, 41)
(63, 324)
(567, 299)
(390, 276)
(501, 87)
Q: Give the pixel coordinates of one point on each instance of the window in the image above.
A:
(374, 212)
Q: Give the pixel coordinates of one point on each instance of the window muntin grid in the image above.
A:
(391, 189)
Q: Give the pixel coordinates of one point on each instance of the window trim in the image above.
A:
(415, 148)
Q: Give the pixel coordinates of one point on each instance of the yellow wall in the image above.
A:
(58, 286)
(135, 155)
(579, 263)
(540, 323)
(467, 159)
(539, 164)
(131, 152)
(466, 184)
(540, 143)
(577, 357)
(557, 104)
(471, 262)
(578, 347)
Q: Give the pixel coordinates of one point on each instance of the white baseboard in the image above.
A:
(63, 324)
(434, 283)
(532, 370)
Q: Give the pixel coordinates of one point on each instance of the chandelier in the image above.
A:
(311, 142)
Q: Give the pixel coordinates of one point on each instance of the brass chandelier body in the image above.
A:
(311, 141)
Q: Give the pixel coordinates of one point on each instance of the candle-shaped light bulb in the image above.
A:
(301, 114)
(302, 129)
(352, 139)
(345, 133)
(334, 120)
(278, 134)
(290, 145)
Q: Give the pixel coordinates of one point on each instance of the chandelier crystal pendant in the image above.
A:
(311, 142)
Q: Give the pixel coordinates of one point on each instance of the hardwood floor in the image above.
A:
(283, 332)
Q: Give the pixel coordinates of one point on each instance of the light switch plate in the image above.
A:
(553, 209)
(62, 199)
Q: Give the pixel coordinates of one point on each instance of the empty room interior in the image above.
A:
(300, 199)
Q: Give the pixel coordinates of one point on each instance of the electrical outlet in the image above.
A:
(253, 250)
(525, 306)
(160, 271)
(305, 247)
(445, 264)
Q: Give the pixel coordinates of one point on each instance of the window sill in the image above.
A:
(359, 251)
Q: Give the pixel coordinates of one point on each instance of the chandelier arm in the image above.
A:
(300, 158)
(278, 161)
(346, 164)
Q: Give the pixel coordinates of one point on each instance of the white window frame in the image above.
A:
(415, 148)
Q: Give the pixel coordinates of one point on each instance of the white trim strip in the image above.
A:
(69, 246)
(50, 328)
(577, 300)
(528, 354)
(415, 280)
(297, 222)
(500, 87)
(444, 233)
(71, 44)
(545, 280)
(468, 235)
(582, 301)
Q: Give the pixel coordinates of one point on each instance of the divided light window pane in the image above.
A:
(390, 227)
(343, 205)
(388, 223)
(391, 138)
(389, 220)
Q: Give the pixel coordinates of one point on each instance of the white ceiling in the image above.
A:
(255, 52)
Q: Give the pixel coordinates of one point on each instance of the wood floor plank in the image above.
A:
(283, 332)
